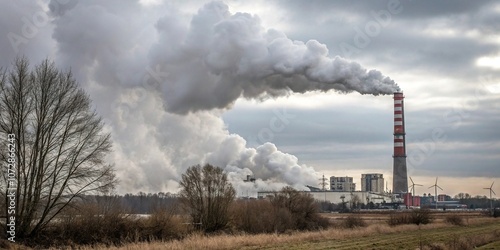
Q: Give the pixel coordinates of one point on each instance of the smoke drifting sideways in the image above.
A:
(161, 77)
(232, 55)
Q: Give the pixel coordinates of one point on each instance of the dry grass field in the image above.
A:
(382, 216)
(492, 246)
(476, 231)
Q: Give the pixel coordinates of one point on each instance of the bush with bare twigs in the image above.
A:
(455, 219)
(399, 218)
(353, 221)
(165, 224)
(103, 220)
(417, 216)
(421, 216)
(288, 210)
(253, 216)
(301, 206)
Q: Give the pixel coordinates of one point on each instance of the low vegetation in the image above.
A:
(455, 219)
(166, 229)
(353, 221)
(417, 217)
(106, 221)
(440, 236)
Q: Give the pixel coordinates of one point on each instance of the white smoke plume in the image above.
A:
(161, 77)
(232, 55)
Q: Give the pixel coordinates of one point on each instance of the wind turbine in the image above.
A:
(412, 187)
(491, 191)
(436, 191)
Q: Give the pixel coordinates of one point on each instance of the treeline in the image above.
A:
(142, 203)
(118, 220)
(481, 202)
(146, 203)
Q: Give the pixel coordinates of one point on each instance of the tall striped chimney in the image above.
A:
(399, 174)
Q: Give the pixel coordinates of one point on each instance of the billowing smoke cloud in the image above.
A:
(223, 56)
(157, 74)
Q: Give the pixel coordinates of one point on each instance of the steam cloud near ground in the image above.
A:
(162, 76)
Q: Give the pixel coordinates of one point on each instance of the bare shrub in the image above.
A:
(283, 220)
(260, 216)
(301, 206)
(163, 224)
(455, 219)
(417, 216)
(399, 219)
(353, 221)
(287, 210)
(421, 216)
(100, 220)
(254, 216)
(103, 220)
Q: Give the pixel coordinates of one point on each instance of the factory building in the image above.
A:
(338, 197)
(372, 183)
(412, 201)
(342, 184)
(444, 197)
(426, 199)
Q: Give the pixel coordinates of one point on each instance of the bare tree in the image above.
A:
(59, 143)
(207, 194)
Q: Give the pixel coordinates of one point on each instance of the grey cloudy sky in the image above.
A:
(259, 87)
(446, 58)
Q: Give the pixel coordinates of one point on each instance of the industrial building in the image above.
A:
(372, 183)
(342, 184)
(444, 197)
(444, 201)
(412, 201)
(339, 197)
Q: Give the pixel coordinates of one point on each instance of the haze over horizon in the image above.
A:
(282, 90)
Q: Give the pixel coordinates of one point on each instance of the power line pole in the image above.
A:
(323, 183)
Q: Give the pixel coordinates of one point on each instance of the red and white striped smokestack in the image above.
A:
(399, 177)
(399, 125)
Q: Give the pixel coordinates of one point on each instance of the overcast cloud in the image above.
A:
(283, 90)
